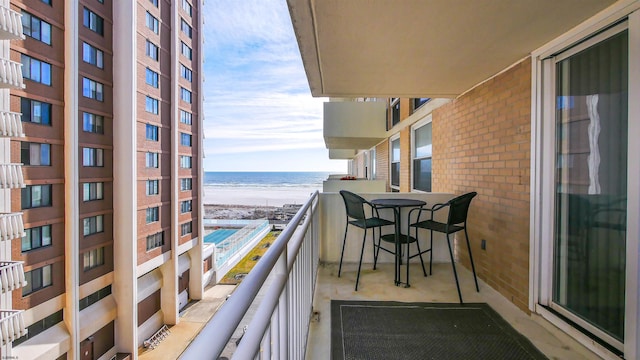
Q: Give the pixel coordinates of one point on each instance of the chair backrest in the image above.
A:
(459, 207)
(354, 204)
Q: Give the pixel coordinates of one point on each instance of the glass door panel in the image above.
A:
(591, 185)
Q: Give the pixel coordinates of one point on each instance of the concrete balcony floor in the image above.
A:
(439, 287)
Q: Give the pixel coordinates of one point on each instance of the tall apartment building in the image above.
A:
(100, 165)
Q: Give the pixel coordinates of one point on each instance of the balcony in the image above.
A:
(287, 296)
(11, 124)
(11, 74)
(10, 24)
(354, 125)
(11, 325)
(11, 176)
(342, 154)
(11, 226)
(11, 276)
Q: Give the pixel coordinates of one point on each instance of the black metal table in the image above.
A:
(397, 204)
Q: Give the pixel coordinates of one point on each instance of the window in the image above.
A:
(37, 279)
(152, 50)
(185, 206)
(93, 258)
(152, 160)
(154, 2)
(92, 89)
(153, 214)
(92, 157)
(35, 196)
(92, 191)
(48, 2)
(93, 225)
(395, 162)
(35, 154)
(151, 105)
(95, 297)
(185, 28)
(40, 325)
(152, 78)
(153, 187)
(155, 240)
(186, 73)
(185, 139)
(36, 28)
(151, 132)
(36, 70)
(92, 55)
(418, 102)
(185, 184)
(186, 51)
(153, 23)
(394, 104)
(185, 117)
(36, 238)
(92, 21)
(92, 123)
(185, 95)
(187, 7)
(186, 228)
(422, 157)
(185, 162)
(36, 112)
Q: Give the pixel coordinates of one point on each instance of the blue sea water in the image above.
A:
(265, 179)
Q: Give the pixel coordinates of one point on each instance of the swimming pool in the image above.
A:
(217, 236)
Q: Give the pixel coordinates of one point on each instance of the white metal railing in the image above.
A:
(11, 325)
(286, 278)
(11, 124)
(11, 226)
(11, 74)
(11, 176)
(231, 245)
(11, 276)
(10, 24)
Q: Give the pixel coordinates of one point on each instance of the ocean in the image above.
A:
(261, 188)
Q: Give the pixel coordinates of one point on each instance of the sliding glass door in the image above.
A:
(590, 199)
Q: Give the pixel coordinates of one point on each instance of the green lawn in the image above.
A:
(247, 263)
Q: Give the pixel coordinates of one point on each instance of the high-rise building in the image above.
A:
(100, 169)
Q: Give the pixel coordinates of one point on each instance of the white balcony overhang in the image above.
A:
(11, 74)
(416, 48)
(11, 226)
(342, 154)
(11, 325)
(10, 24)
(11, 176)
(354, 125)
(11, 124)
(11, 276)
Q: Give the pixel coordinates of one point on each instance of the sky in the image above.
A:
(259, 114)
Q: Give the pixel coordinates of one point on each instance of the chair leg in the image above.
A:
(364, 239)
(373, 242)
(424, 271)
(431, 252)
(342, 253)
(471, 258)
(453, 264)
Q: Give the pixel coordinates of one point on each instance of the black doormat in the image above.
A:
(395, 330)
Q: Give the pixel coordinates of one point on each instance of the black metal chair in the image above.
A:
(355, 207)
(457, 221)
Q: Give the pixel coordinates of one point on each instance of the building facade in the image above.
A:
(102, 198)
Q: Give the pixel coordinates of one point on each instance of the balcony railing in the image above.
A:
(11, 74)
(285, 276)
(10, 24)
(11, 276)
(11, 226)
(11, 176)
(11, 325)
(11, 124)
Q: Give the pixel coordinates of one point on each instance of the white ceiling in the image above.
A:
(423, 48)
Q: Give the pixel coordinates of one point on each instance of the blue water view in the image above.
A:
(265, 179)
(219, 235)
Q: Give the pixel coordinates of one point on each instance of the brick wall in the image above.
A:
(405, 158)
(382, 163)
(481, 142)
